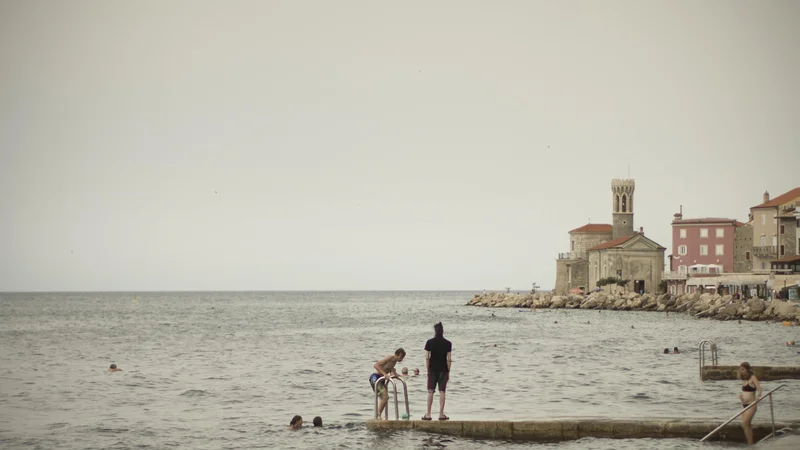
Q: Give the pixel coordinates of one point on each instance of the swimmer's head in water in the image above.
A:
(666, 351)
(318, 421)
(416, 371)
(405, 371)
(296, 421)
(113, 366)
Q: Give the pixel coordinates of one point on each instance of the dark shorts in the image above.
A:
(439, 378)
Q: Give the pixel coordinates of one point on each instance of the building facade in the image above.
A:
(706, 245)
(572, 268)
(774, 227)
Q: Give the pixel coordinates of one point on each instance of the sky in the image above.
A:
(317, 145)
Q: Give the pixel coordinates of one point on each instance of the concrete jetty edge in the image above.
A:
(764, 373)
(565, 429)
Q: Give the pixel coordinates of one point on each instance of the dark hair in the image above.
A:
(318, 421)
(749, 370)
(666, 351)
(675, 349)
(113, 366)
(438, 329)
(295, 419)
(400, 351)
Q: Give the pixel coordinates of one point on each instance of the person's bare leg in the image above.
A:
(382, 404)
(747, 424)
(441, 403)
(430, 403)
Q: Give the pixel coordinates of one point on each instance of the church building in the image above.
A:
(600, 250)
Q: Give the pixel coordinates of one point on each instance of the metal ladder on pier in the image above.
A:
(758, 400)
(714, 359)
(396, 406)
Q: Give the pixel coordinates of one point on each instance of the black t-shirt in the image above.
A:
(439, 348)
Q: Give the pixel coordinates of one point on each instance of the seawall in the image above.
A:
(698, 305)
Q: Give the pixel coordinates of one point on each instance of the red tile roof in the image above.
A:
(614, 242)
(706, 220)
(781, 199)
(787, 259)
(594, 228)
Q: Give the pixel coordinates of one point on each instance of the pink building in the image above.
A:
(702, 245)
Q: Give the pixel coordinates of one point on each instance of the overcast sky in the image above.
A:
(165, 145)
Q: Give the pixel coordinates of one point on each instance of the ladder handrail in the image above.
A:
(714, 359)
(758, 400)
(396, 407)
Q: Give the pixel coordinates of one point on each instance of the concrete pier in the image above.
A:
(565, 429)
(764, 373)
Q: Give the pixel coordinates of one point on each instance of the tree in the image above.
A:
(622, 283)
(662, 287)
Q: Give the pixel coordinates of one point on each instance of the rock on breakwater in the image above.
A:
(699, 305)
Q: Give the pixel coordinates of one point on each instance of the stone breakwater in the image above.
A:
(698, 305)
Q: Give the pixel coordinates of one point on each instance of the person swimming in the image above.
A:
(675, 351)
(113, 368)
(318, 421)
(296, 423)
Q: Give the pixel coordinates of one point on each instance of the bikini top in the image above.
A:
(748, 388)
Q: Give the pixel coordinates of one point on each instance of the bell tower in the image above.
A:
(622, 206)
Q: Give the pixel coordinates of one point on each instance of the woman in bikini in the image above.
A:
(751, 390)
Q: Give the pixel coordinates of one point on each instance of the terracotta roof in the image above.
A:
(614, 242)
(781, 199)
(705, 220)
(740, 224)
(787, 259)
(594, 228)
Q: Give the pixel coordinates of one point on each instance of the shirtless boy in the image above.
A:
(383, 368)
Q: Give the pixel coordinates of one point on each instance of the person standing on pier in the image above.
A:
(438, 360)
(751, 391)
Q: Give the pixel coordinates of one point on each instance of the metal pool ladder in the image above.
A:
(714, 360)
(396, 407)
(771, 414)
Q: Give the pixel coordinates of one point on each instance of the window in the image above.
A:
(763, 221)
(747, 256)
(720, 232)
(782, 252)
(703, 250)
(763, 266)
(703, 232)
(683, 233)
(682, 269)
(783, 229)
(624, 203)
(763, 241)
(572, 246)
(719, 250)
(682, 250)
(774, 241)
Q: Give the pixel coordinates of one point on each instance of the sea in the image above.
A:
(228, 370)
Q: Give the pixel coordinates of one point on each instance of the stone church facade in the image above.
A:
(600, 250)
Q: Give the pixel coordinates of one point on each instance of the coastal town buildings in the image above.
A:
(774, 229)
(764, 256)
(601, 250)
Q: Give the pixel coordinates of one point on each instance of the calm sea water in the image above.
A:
(229, 370)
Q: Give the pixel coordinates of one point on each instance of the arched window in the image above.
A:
(624, 203)
(616, 205)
